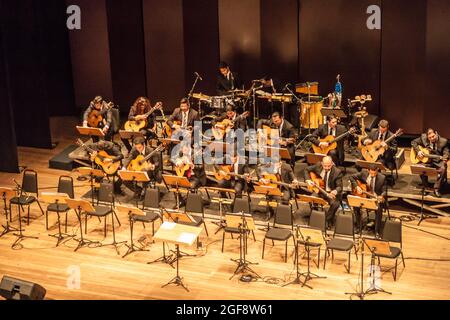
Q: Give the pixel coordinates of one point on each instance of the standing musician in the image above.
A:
(153, 167)
(139, 108)
(331, 128)
(374, 182)
(237, 165)
(382, 134)
(226, 80)
(332, 184)
(183, 117)
(231, 115)
(286, 131)
(436, 145)
(99, 106)
(112, 150)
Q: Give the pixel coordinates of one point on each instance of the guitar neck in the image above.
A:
(340, 137)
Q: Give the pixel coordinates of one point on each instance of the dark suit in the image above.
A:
(286, 175)
(287, 131)
(388, 158)
(334, 183)
(177, 115)
(236, 183)
(239, 122)
(146, 132)
(441, 148)
(225, 85)
(107, 120)
(380, 178)
(113, 150)
(338, 154)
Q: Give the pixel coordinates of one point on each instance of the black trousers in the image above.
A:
(237, 185)
(145, 132)
(441, 168)
(378, 218)
(330, 214)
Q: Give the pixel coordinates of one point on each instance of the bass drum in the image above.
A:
(310, 113)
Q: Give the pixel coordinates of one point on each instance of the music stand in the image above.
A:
(80, 205)
(130, 211)
(177, 182)
(362, 203)
(267, 191)
(279, 152)
(244, 223)
(181, 218)
(58, 199)
(313, 158)
(423, 171)
(339, 113)
(367, 165)
(312, 200)
(125, 134)
(7, 194)
(221, 201)
(92, 173)
(134, 177)
(88, 131)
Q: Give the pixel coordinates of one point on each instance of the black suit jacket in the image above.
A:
(111, 148)
(286, 175)
(442, 145)
(362, 176)
(107, 115)
(240, 122)
(335, 176)
(224, 85)
(374, 134)
(322, 131)
(287, 131)
(155, 158)
(178, 116)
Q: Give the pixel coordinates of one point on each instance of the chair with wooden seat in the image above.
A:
(29, 185)
(343, 238)
(392, 232)
(317, 220)
(65, 185)
(278, 231)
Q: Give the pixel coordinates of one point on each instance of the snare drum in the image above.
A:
(220, 102)
(310, 115)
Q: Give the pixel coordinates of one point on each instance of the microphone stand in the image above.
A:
(298, 99)
(192, 90)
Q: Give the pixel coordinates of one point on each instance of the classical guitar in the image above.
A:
(223, 127)
(428, 156)
(96, 116)
(332, 142)
(374, 150)
(364, 190)
(137, 125)
(109, 167)
(140, 163)
(272, 137)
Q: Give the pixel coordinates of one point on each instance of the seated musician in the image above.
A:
(153, 167)
(331, 128)
(383, 133)
(183, 117)
(238, 166)
(286, 131)
(374, 181)
(186, 167)
(113, 150)
(436, 145)
(332, 182)
(99, 105)
(226, 80)
(283, 173)
(139, 108)
(237, 121)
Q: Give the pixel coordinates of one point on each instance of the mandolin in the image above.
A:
(137, 125)
(428, 156)
(332, 142)
(96, 116)
(140, 163)
(109, 167)
(374, 150)
(221, 128)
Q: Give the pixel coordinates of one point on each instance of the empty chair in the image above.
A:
(344, 229)
(239, 205)
(283, 217)
(151, 209)
(317, 220)
(65, 185)
(194, 204)
(105, 195)
(29, 185)
(392, 232)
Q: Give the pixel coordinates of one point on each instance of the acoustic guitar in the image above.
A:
(427, 158)
(109, 167)
(374, 150)
(364, 189)
(96, 116)
(137, 125)
(272, 137)
(140, 163)
(221, 128)
(332, 142)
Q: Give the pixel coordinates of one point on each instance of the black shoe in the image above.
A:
(437, 193)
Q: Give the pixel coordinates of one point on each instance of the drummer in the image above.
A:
(227, 81)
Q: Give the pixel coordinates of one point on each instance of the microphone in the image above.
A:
(198, 76)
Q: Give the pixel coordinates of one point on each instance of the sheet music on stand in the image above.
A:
(88, 131)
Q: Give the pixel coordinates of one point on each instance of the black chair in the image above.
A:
(239, 205)
(344, 228)
(392, 232)
(194, 204)
(105, 196)
(29, 185)
(283, 217)
(151, 208)
(317, 220)
(65, 185)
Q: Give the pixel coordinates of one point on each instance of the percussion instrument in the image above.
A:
(303, 88)
(310, 115)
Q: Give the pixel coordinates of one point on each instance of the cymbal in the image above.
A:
(201, 96)
(236, 91)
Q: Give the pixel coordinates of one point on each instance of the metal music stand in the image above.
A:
(134, 177)
(221, 201)
(313, 158)
(339, 113)
(88, 131)
(80, 205)
(58, 199)
(131, 211)
(244, 223)
(278, 152)
(177, 182)
(362, 203)
(124, 134)
(424, 172)
(7, 194)
(92, 173)
(312, 200)
(267, 191)
(368, 165)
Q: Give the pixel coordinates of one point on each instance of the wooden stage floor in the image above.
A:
(106, 275)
